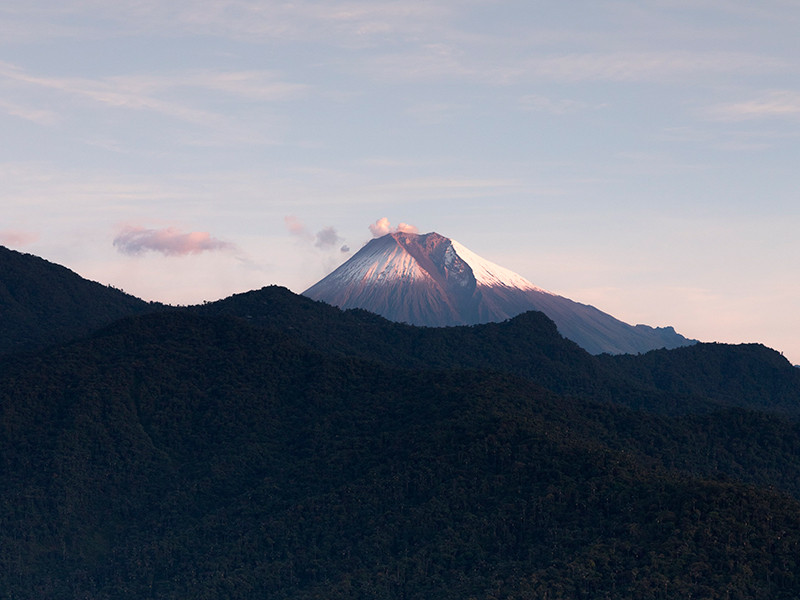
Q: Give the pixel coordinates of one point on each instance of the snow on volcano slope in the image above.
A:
(489, 274)
(377, 264)
(434, 281)
(389, 278)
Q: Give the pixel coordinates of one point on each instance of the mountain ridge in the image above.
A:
(45, 303)
(267, 445)
(181, 454)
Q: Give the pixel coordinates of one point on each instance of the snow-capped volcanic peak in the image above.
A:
(425, 279)
(412, 257)
(431, 280)
(491, 275)
(379, 261)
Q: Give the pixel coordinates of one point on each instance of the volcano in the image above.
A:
(430, 280)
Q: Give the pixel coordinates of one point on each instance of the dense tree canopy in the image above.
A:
(267, 446)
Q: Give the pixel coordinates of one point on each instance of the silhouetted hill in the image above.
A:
(175, 455)
(696, 378)
(744, 375)
(43, 303)
(528, 344)
(270, 446)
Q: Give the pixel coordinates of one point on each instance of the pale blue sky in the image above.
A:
(638, 156)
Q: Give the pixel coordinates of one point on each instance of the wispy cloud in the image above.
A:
(435, 113)
(133, 240)
(657, 66)
(442, 62)
(773, 104)
(141, 91)
(249, 85)
(35, 115)
(351, 22)
(442, 38)
(11, 237)
(555, 106)
(325, 239)
(181, 96)
(82, 194)
(297, 228)
(431, 188)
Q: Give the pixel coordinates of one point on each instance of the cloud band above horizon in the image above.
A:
(169, 241)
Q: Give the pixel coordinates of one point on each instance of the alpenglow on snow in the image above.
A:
(430, 280)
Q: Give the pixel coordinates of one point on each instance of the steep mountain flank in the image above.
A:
(43, 303)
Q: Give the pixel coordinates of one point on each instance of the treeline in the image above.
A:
(269, 446)
(42, 303)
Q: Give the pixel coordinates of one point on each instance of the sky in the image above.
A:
(643, 157)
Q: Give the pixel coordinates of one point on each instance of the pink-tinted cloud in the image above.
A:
(17, 238)
(406, 228)
(297, 227)
(170, 241)
(382, 226)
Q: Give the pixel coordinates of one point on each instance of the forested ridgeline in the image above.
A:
(684, 380)
(42, 303)
(267, 445)
(176, 455)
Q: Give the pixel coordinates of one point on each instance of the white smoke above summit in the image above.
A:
(382, 226)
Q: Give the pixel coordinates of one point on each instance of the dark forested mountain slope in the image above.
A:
(696, 378)
(175, 456)
(528, 344)
(743, 375)
(267, 445)
(43, 303)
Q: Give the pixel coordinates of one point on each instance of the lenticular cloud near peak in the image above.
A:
(133, 240)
